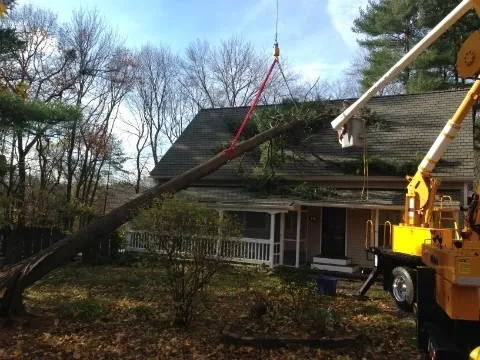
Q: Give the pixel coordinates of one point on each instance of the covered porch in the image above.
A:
(271, 236)
(328, 234)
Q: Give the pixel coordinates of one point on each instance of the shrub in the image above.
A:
(191, 243)
(87, 310)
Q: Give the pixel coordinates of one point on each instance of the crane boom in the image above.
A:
(407, 59)
(449, 132)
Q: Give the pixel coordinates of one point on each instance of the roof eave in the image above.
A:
(350, 205)
(346, 178)
(251, 207)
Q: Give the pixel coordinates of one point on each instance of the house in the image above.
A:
(328, 231)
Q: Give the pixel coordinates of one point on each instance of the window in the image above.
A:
(256, 225)
(255, 220)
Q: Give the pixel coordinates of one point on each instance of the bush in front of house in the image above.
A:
(191, 243)
(294, 303)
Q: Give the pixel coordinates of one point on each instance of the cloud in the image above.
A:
(311, 71)
(342, 14)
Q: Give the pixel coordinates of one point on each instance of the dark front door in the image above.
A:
(333, 232)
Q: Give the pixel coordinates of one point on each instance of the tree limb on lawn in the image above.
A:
(16, 278)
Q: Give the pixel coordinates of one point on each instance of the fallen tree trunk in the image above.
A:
(16, 278)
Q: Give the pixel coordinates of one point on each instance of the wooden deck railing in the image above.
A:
(252, 251)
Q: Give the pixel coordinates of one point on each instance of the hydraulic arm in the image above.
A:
(421, 189)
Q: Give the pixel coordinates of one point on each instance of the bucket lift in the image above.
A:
(352, 134)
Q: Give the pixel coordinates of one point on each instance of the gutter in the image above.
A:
(253, 206)
(350, 205)
(336, 178)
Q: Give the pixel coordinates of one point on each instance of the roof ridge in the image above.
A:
(343, 98)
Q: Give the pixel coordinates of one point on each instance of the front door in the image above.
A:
(333, 232)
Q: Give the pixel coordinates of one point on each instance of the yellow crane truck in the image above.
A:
(431, 270)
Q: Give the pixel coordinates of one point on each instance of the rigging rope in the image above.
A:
(286, 82)
(365, 162)
(250, 110)
(276, 54)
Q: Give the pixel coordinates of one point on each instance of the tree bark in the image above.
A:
(16, 278)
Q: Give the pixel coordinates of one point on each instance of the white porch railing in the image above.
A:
(251, 251)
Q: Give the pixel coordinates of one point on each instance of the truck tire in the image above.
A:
(402, 288)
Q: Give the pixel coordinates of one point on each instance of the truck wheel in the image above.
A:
(402, 288)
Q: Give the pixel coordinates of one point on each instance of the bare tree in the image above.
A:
(137, 128)
(97, 141)
(358, 64)
(197, 77)
(313, 90)
(340, 88)
(231, 73)
(236, 72)
(153, 100)
(95, 45)
(180, 111)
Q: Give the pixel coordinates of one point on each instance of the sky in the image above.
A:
(314, 35)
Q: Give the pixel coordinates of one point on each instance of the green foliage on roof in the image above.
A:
(305, 192)
(219, 146)
(276, 185)
(276, 152)
(378, 166)
(263, 119)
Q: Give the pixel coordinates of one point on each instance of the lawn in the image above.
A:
(109, 312)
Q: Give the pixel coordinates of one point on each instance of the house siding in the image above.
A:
(356, 222)
(314, 232)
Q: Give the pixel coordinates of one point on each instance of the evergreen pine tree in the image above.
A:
(9, 41)
(391, 30)
(392, 27)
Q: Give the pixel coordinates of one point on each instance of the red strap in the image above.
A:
(249, 113)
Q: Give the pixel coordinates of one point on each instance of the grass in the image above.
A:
(112, 312)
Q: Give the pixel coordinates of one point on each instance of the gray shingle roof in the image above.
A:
(413, 123)
(239, 196)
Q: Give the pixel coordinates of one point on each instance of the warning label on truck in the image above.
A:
(464, 266)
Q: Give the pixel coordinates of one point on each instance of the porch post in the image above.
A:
(346, 233)
(272, 238)
(282, 236)
(128, 240)
(217, 250)
(377, 220)
(297, 250)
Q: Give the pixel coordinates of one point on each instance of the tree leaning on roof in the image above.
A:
(16, 278)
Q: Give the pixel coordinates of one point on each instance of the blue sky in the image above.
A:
(314, 35)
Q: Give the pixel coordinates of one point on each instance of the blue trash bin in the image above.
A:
(326, 285)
